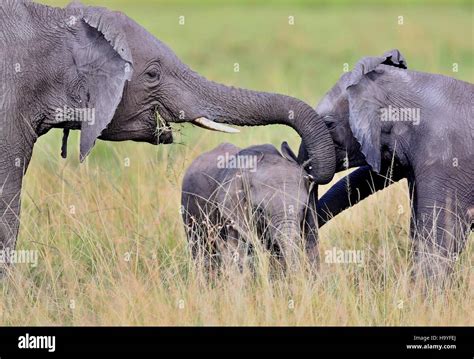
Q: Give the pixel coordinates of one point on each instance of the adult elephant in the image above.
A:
(91, 69)
(396, 124)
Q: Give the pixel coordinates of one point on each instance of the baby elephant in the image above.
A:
(229, 193)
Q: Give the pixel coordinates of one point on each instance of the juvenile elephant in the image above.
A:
(229, 191)
(396, 124)
(95, 70)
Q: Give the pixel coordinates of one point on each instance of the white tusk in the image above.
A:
(214, 126)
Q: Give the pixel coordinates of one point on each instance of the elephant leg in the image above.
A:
(233, 250)
(312, 252)
(202, 245)
(10, 192)
(439, 228)
(12, 169)
(352, 189)
(9, 220)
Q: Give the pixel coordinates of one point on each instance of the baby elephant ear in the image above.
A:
(366, 100)
(368, 64)
(104, 63)
(395, 58)
(287, 152)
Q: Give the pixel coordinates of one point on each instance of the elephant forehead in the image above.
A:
(290, 205)
(280, 190)
(282, 165)
(143, 45)
(331, 99)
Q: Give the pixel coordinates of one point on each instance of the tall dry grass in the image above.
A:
(113, 251)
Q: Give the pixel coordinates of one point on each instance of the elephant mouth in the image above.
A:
(164, 132)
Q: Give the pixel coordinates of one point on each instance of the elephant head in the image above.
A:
(147, 80)
(91, 69)
(351, 110)
(280, 198)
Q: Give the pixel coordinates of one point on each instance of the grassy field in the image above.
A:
(112, 249)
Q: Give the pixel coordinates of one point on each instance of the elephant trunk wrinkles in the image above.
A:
(251, 108)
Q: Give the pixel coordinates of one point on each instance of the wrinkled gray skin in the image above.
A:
(221, 205)
(88, 57)
(436, 155)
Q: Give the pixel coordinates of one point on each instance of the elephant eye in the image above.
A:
(152, 74)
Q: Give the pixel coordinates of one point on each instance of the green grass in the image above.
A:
(86, 220)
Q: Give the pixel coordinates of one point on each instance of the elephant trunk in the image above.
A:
(224, 104)
(288, 238)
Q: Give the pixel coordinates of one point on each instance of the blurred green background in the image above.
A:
(303, 60)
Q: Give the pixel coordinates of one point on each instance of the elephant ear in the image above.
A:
(287, 152)
(366, 99)
(368, 64)
(395, 58)
(104, 63)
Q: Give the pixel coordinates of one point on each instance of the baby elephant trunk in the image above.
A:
(288, 239)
